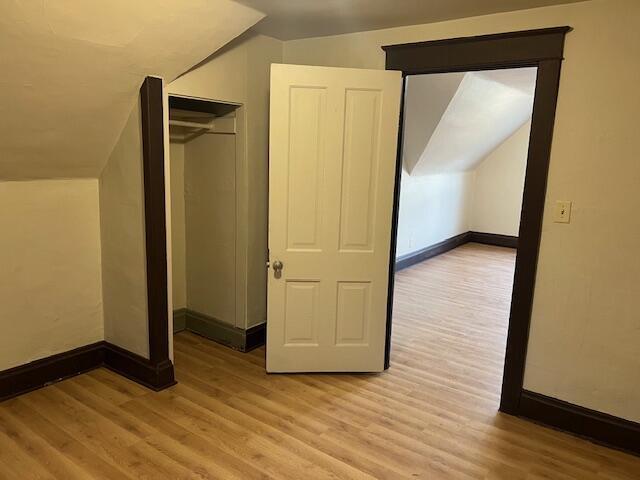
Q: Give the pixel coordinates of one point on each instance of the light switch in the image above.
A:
(562, 212)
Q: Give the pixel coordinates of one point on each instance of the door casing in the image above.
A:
(542, 48)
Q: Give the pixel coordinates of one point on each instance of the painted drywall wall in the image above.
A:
(487, 199)
(210, 197)
(239, 73)
(585, 331)
(50, 285)
(261, 53)
(122, 231)
(178, 242)
(71, 70)
(433, 208)
(498, 185)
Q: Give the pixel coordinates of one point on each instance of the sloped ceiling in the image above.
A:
(427, 98)
(71, 70)
(453, 123)
(291, 19)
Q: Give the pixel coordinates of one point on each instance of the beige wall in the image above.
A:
(487, 199)
(178, 242)
(124, 278)
(239, 73)
(50, 286)
(433, 208)
(210, 197)
(584, 339)
(498, 185)
(261, 53)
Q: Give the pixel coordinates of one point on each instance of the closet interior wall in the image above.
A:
(204, 224)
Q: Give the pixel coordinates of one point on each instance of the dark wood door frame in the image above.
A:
(532, 48)
(153, 167)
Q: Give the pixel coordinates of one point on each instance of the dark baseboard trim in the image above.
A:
(31, 376)
(454, 242)
(256, 336)
(40, 373)
(179, 320)
(494, 239)
(429, 252)
(599, 427)
(137, 368)
(220, 332)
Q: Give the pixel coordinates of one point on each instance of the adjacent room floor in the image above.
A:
(432, 415)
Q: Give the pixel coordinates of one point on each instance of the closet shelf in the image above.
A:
(191, 118)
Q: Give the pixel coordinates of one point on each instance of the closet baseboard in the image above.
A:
(256, 336)
(179, 320)
(46, 371)
(220, 332)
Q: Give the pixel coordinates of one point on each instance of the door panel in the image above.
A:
(360, 169)
(333, 135)
(352, 319)
(305, 167)
(301, 315)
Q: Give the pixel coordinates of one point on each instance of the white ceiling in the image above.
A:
(71, 70)
(291, 19)
(481, 110)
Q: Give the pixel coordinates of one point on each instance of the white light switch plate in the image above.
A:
(562, 213)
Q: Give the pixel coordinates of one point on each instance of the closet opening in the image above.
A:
(204, 221)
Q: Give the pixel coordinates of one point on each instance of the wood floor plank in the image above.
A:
(433, 415)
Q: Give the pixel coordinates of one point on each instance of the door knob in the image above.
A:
(277, 268)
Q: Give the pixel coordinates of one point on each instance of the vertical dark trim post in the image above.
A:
(535, 187)
(151, 100)
(394, 229)
(532, 48)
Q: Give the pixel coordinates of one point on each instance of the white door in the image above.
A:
(333, 137)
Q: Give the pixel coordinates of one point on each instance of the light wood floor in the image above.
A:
(431, 416)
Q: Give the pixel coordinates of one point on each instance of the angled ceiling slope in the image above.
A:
(292, 19)
(71, 70)
(452, 123)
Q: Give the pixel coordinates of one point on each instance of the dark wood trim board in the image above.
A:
(255, 337)
(152, 119)
(495, 239)
(39, 373)
(157, 372)
(544, 49)
(482, 52)
(596, 426)
(31, 376)
(535, 187)
(394, 229)
(156, 376)
(429, 252)
(449, 244)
